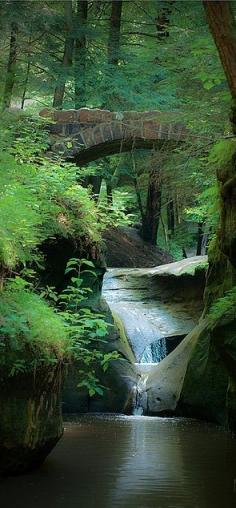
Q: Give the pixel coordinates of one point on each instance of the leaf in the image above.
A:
(87, 262)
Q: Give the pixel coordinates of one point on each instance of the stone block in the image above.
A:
(83, 115)
(87, 115)
(135, 129)
(98, 135)
(68, 116)
(88, 137)
(107, 132)
(117, 131)
(131, 115)
(47, 113)
(55, 128)
(151, 129)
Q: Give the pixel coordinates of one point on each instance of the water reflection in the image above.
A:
(131, 462)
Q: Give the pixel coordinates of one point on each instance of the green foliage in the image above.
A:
(222, 153)
(116, 214)
(87, 329)
(173, 247)
(39, 198)
(20, 216)
(207, 207)
(31, 332)
(224, 309)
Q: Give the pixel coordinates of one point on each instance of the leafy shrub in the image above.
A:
(31, 332)
(35, 332)
(20, 216)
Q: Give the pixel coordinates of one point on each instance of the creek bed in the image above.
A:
(109, 461)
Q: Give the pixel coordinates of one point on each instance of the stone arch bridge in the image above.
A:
(85, 135)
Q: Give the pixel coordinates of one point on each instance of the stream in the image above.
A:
(112, 461)
(155, 309)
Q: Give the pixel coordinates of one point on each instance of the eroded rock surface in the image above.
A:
(30, 419)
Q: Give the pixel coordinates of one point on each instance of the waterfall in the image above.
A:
(154, 352)
(140, 396)
(151, 319)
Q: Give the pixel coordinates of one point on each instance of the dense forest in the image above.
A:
(165, 67)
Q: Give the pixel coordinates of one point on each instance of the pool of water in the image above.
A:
(106, 461)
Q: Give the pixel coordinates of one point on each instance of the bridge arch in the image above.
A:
(85, 135)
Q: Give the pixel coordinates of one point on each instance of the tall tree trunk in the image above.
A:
(80, 54)
(109, 193)
(11, 68)
(67, 56)
(163, 19)
(200, 233)
(153, 208)
(171, 216)
(223, 28)
(113, 48)
(94, 182)
(137, 190)
(27, 73)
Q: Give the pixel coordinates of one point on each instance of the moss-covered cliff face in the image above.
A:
(209, 389)
(30, 419)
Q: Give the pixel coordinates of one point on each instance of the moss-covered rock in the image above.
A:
(209, 386)
(209, 389)
(30, 419)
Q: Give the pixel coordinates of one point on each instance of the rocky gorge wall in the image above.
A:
(30, 418)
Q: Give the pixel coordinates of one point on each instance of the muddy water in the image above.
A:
(131, 462)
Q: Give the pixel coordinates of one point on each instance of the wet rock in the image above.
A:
(157, 303)
(165, 381)
(30, 419)
(209, 389)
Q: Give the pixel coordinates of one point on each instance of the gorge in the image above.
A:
(118, 254)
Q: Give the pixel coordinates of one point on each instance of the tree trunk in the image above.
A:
(25, 85)
(163, 20)
(137, 190)
(153, 208)
(94, 182)
(171, 217)
(200, 234)
(113, 48)
(80, 54)
(67, 56)
(11, 68)
(223, 28)
(109, 194)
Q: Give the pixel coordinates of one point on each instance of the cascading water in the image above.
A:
(154, 352)
(140, 399)
(146, 321)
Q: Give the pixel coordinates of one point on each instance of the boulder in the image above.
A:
(30, 419)
(209, 388)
